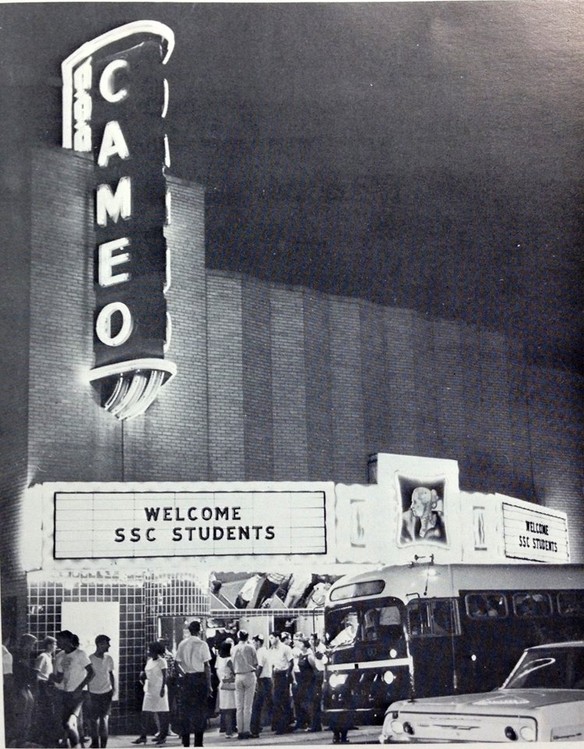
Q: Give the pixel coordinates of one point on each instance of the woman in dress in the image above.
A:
(226, 677)
(155, 703)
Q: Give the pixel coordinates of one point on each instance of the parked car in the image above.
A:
(541, 700)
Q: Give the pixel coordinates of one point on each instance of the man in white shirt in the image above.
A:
(245, 665)
(101, 691)
(192, 662)
(263, 696)
(282, 661)
(75, 673)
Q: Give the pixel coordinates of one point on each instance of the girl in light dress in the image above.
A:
(155, 703)
(226, 677)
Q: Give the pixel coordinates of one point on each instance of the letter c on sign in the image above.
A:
(106, 82)
(103, 324)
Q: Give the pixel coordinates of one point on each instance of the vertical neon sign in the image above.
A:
(115, 100)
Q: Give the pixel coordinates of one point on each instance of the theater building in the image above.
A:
(163, 422)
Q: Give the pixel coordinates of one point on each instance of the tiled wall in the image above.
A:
(142, 599)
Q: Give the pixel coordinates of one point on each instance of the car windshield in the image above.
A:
(553, 668)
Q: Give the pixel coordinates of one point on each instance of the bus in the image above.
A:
(424, 630)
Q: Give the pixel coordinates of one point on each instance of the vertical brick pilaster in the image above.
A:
(288, 385)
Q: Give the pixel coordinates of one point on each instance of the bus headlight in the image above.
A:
(337, 680)
(527, 733)
(388, 677)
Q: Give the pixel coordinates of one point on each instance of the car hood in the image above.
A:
(502, 700)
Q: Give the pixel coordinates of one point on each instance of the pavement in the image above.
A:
(362, 735)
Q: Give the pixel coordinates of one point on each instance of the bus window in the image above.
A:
(532, 604)
(356, 590)
(443, 622)
(571, 603)
(418, 619)
(381, 622)
(342, 629)
(432, 618)
(485, 605)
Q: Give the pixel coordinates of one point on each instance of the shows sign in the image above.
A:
(534, 535)
(90, 525)
(115, 99)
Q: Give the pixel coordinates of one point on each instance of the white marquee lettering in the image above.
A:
(168, 333)
(82, 76)
(114, 205)
(82, 108)
(82, 137)
(113, 143)
(107, 82)
(166, 152)
(98, 77)
(107, 261)
(166, 97)
(103, 324)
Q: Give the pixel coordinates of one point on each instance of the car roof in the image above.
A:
(568, 644)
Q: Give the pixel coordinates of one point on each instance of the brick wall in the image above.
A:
(225, 372)
(171, 441)
(326, 381)
(257, 382)
(347, 404)
(71, 437)
(288, 383)
(319, 413)
(277, 382)
(556, 435)
(14, 328)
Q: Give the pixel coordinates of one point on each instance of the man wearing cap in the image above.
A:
(263, 695)
(101, 691)
(281, 657)
(245, 665)
(193, 664)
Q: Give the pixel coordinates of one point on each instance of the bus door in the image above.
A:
(434, 633)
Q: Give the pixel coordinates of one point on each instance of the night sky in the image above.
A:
(419, 154)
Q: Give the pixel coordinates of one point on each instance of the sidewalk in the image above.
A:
(363, 735)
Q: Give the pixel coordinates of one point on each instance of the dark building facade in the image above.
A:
(274, 383)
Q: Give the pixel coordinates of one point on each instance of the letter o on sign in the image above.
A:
(104, 327)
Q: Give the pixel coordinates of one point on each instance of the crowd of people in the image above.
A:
(54, 691)
(276, 685)
(56, 695)
(252, 685)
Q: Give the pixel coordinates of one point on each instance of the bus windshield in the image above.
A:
(376, 625)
